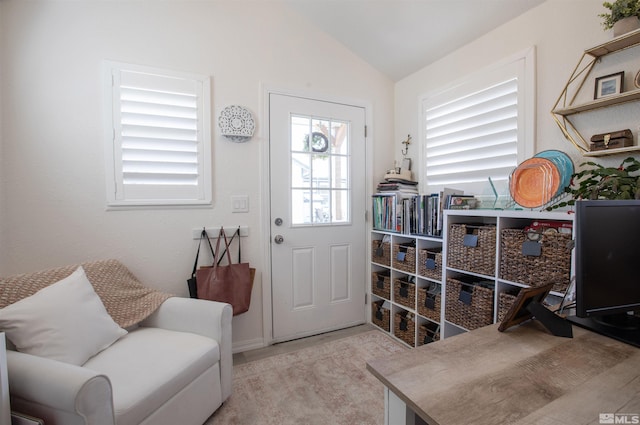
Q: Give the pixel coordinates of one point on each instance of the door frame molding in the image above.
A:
(266, 91)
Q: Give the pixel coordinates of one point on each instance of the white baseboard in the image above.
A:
(22, 419)
(241, 346)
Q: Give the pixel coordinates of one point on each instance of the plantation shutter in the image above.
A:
(480, 128)
(474, 137)
(160, 138)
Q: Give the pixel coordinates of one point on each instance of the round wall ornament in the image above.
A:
(236, 123)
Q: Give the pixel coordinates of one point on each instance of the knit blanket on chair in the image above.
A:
(126, 299)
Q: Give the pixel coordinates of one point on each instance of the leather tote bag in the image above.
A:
(231, 283)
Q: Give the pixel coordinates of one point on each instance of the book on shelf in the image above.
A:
(462, 202)
(384, 211)
(411, 213)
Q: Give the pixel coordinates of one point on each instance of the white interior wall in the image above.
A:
(53, 170)
(560, 30)
(3, 246)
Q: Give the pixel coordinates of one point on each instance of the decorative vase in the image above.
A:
(625, 25)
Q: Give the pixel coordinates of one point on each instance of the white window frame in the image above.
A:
(521, 66)
(193, 186)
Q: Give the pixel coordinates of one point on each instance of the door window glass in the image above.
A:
(320, 181)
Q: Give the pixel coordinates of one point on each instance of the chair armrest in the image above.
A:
(211, 319)
(59, 390)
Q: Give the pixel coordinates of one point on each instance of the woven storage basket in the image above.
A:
(381, 284)
(552, 266)
(404, 292)
(404, 257)
(505, 301)
(404, 327)
(429, 302)
(468, 304)
(427, 333)
(475, 253)
(430, 263)
(380, 316)
(381, 252)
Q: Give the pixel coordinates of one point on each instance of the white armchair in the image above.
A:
(173, 367)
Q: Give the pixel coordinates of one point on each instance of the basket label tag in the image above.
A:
(470, 241)
(379, 314)
(430, 303)
(380, 283)
(401, 255)
(379, 251)
(430, 263)
(465, 297)
(403, 324)
(404, 291)
(532, 248)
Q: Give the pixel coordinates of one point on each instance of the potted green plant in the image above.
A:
(600, 182)
(624, 16)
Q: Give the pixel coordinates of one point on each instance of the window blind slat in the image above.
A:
(158, 121)
(159, 168)
(483, 154)
(159, 145)
(468, 134)
(159, 156)
(160, 179)
(475, 113)
(159, 133)
(469, 166)
(471, 177)
(160, 81)
(504, 139)
(454, 106)
(507, 116)
(155, 109)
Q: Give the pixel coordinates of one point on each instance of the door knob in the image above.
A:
(278, 239)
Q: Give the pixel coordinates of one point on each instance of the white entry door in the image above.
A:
(318, 202)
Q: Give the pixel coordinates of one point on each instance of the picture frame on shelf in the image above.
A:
(519, 312)
(609, 85)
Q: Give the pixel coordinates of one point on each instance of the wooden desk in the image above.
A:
(521, 376)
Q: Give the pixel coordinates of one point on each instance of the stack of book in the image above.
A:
(415, 214)
(401, 188)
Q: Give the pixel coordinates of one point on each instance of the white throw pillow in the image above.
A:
(65, 321)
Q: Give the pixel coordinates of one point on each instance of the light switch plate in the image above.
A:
(240, 204)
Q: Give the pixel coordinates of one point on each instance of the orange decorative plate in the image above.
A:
(534, 182)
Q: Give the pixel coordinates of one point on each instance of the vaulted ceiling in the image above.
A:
(400, 37)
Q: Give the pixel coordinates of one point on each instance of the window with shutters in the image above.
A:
(480, 129)
(158, 136)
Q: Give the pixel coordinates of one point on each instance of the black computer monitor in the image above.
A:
(607, 268)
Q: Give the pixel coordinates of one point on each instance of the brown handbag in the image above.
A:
(231, 283)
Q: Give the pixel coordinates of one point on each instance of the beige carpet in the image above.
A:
(325, 384)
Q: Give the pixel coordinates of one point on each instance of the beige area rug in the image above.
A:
(325, 384)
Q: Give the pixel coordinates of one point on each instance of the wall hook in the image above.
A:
(406, 144)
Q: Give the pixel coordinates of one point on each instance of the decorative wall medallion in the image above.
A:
(236, 123)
